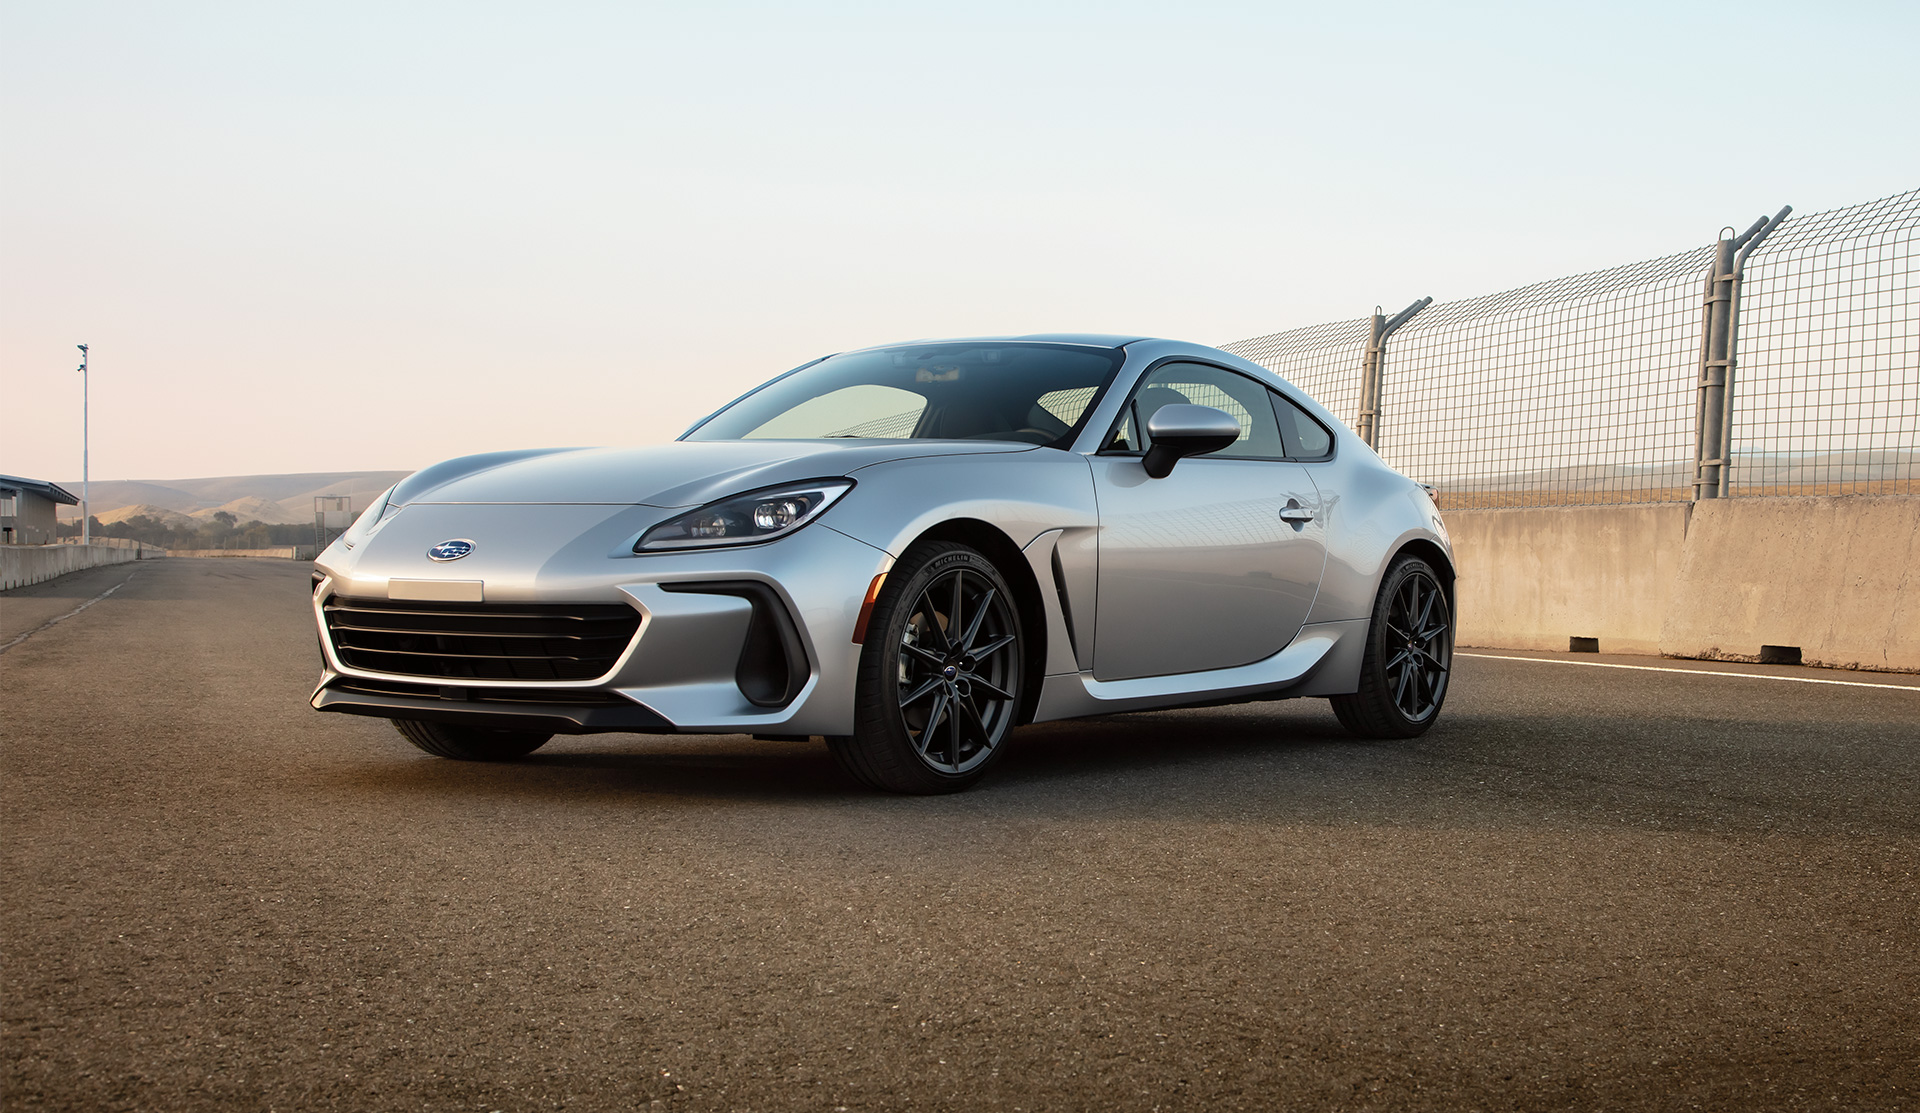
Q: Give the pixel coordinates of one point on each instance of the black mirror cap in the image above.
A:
(1180, 430)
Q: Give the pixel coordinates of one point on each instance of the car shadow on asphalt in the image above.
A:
(1260, 763)
(1121, 760)
(1155, 740)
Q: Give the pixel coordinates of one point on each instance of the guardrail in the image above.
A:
(117, 543)
(282, 552)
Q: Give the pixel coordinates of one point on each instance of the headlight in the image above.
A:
(745, 519)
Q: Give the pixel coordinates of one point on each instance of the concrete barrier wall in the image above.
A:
(284, 552)
(119, 543)
(21, 565)
(1838, 578)
(1531, 579)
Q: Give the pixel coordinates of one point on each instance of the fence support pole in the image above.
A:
(1710, 405)
(1368, 426)
(1713, 424)
(1746, 244)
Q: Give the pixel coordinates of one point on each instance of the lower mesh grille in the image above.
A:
(472, 641)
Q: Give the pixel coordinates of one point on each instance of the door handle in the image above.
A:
(1294, 512)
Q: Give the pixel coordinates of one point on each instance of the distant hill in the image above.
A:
(274, 499)
(253, 508)
(159, 514)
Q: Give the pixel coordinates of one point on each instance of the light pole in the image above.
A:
(86, 522)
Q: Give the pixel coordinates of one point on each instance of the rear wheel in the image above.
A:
(470, 743)
(1409, 657)
(940, 674)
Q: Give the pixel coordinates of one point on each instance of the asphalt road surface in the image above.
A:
(1588, 888)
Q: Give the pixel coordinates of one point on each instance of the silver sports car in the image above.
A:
(909, 550)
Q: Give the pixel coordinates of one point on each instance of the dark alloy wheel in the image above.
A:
(470, 743)
(1403, 679)
(940, 674)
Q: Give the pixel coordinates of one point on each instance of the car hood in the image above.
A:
(682, 473)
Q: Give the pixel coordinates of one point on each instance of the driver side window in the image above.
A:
(1201, 385)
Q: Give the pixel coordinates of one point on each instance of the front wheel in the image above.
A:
(1409, 657)
(940, 674)
(470, 743)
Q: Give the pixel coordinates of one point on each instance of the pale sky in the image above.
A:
(342, 236)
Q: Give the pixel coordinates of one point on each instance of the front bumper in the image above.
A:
(756, 639)
(517, 709)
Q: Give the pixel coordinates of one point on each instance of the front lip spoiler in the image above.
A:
(556, 718)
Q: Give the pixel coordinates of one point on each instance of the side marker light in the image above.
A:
(866, 609)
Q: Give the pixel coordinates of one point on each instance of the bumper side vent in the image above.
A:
(773, 663)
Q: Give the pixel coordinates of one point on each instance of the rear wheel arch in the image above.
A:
(1435, 556)
(1407, 661)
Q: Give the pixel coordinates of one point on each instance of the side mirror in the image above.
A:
(1184, 430)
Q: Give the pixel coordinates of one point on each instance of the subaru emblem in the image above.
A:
(450, 550)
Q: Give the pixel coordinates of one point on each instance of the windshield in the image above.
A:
(1033, 393)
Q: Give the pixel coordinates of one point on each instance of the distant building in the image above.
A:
(27, 510)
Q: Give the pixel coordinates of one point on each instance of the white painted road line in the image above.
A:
(1693, 672)
(71, 613)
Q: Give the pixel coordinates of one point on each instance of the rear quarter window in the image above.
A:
(1304, 437)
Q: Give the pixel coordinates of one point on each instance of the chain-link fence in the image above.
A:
(1826, 398)
(1589, 389)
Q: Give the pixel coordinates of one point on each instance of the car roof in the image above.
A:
(1082, 339)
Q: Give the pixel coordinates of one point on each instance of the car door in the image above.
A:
(1200, 570)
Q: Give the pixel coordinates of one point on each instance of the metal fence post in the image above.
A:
(1368, 425)
(1709, 425)
(1746, 244)
(1369, 366)
(1713, 422)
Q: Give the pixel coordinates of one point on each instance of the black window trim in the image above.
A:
(1126, 411)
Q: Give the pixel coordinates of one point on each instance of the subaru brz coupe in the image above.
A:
(908, 550)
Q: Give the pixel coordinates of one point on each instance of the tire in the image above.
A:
(1409, 657)
(470, 743)
(934, 706)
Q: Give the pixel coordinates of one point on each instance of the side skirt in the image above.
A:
(1323, 660)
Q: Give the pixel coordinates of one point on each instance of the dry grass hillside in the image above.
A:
(274, 499)
(253, 508)
(161, 514)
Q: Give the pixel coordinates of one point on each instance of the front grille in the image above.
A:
(472, 641)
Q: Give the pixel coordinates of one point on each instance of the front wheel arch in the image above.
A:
(1011, 562)
(949, 656)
